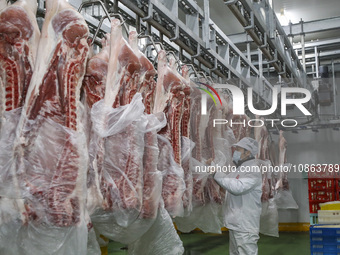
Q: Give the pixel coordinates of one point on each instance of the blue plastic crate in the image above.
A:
(325, 248)
(318, 230)
(327, 240)
(323, 240)
(324, 253)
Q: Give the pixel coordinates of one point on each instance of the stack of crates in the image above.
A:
(337, 185)
(325, 239)
(322, 187)
(320, 191)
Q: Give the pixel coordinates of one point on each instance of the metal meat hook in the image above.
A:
(98, 28)
(176, 58)
(204, 76)
(140, 36)
(193, 68)
(123, 21)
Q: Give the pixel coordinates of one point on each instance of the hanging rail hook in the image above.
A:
(203, 75)
(140, 36)
(210, 79)
(123, 21)
(92, 2)
(192, 67)
(175, 56)
(98, 28)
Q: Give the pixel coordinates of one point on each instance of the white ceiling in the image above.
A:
(295, 9)
(308, 9)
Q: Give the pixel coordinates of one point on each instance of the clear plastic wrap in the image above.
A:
(53, 191)
(173, 178)
(10, 224)
(228, 134)
(117, 221)
(199, 181)
(284, 200)
(93, 243)
(283, 196)
(269, 221)
(208, 218)
(117, 159)
(9, 184)
(187, 146)
(161, 238)
(42, 239)
(208, 204)
(55, 174)
(152, 176)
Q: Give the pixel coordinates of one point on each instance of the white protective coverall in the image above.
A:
(243, 207)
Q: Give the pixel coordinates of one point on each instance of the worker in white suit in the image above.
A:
(243, 199)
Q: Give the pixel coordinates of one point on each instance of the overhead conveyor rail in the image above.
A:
(185, 28)
(261, 24)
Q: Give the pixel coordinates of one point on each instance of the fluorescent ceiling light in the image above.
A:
(284, 17)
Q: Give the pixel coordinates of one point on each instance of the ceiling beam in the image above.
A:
(309, 27)
(318, 43)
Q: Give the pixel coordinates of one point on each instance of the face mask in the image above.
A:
(237, 156)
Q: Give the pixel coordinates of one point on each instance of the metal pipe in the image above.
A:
(334, 90)
(303, 47)
(138, 25)
(129, 4)
(115, 6)
(316, 61)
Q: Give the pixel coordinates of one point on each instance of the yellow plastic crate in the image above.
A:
(329, 216)
(333, 205)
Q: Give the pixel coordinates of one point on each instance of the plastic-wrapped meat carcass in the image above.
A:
(161, 238)
(169, 98)
(208, 197)
(146, 83)
(116, 171)
(241, 129)
(19, 36)
(123, 173)
(269, 220)
(50, 150)
(283, 197)
(186, 143)
(262, 137)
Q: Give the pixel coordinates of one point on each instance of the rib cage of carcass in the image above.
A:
(113, 78)
(131, 168)
(19, 36)
(49, 151)
(169, 98)
(124, 183)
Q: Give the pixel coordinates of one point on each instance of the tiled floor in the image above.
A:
(209, 244)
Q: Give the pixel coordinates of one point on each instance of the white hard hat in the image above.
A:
(249, 144)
